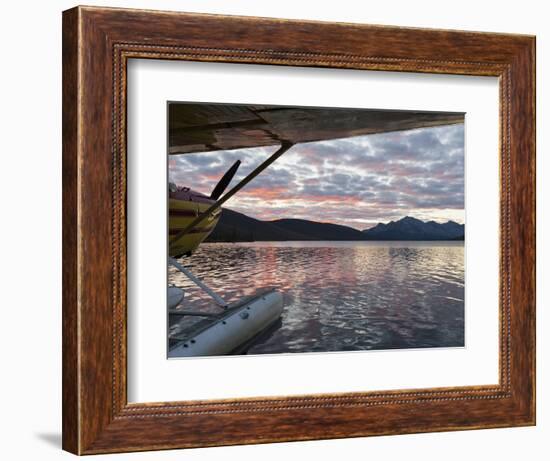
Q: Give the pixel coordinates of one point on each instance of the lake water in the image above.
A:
(340, 296)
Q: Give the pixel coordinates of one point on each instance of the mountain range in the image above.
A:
(238, 227)
(409, 228)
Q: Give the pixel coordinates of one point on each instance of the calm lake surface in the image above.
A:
(340, 296)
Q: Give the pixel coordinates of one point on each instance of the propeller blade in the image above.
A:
(285, 145)
(224, 182)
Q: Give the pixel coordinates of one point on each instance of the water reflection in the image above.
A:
(341, 296)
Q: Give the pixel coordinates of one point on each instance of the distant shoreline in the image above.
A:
(338, 241)
(236, 227)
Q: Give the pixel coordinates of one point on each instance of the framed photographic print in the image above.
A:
(280, 230)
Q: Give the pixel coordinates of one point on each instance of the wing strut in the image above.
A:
(285, 145)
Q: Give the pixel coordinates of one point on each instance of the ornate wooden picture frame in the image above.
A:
(97, 44)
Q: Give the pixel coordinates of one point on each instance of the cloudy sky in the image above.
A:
(356, 182)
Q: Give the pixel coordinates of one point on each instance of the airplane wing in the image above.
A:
(196, 127)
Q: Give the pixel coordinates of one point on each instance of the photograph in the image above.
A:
(269, 225)
(313, 229)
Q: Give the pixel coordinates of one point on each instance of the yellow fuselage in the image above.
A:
(184, 206)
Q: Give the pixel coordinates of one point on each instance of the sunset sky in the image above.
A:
(356, 182)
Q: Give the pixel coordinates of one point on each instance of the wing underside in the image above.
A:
(198, 127)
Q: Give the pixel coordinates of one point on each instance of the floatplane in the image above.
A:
(193, 216)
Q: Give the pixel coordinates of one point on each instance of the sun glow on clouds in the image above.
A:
(356, 182)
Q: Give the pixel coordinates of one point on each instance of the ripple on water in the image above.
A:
(340, 296)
